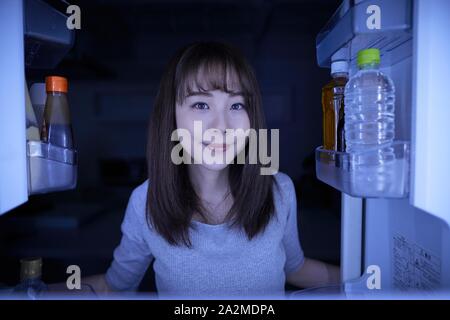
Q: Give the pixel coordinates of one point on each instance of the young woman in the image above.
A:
(213, 230)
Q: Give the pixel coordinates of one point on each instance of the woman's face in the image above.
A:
(216, 111)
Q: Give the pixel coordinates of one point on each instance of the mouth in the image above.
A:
(216, 146)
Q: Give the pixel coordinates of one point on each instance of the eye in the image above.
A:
(200, 106)
(237, 106)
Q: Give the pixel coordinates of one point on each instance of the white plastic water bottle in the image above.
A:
(369, 105)
(370, 122)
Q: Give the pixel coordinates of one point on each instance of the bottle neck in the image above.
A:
(31, 278)
(369, 66)
(339, 75)
(56, 93)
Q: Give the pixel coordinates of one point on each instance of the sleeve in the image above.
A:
(132, 256)
(294, 253)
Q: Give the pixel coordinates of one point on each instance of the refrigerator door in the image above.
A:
(13, 166)
(431, 102)
(409, 239)
(404, 243)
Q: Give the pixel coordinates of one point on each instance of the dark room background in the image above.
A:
(113, 71)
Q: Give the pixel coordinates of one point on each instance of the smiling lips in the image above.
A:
(216, 146)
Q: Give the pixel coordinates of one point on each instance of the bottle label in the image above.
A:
(338, 102)
(338, 90)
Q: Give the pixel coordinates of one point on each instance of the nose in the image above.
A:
(220, 122)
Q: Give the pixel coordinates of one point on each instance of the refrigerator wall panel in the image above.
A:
(411, 247)
(431, 108)
(13, 167)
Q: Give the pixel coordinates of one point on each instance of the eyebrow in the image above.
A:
(207, 94)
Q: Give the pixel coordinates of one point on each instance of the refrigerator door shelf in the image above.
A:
(356, 174)
(47, 38)
(383, 24)
(50, 168)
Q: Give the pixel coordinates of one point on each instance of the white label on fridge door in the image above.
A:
(414, 267)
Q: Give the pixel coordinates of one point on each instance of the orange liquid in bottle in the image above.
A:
(332, 107)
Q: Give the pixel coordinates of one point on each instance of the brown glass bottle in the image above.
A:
(56, 127)
(333, 107)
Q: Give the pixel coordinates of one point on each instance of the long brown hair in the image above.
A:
(171, 198)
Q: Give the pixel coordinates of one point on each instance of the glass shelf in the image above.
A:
(361, 174)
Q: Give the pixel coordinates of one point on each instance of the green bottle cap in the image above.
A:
(368, 56)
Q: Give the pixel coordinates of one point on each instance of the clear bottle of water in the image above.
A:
(31, 286)
(370, 122)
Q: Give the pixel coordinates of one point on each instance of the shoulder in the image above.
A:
(138, 202)
(284, 192)
(139, 193)
(283, 184)
(283, 180)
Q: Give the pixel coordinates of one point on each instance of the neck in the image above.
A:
(210, 185)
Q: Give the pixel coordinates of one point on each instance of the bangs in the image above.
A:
(201, 71)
